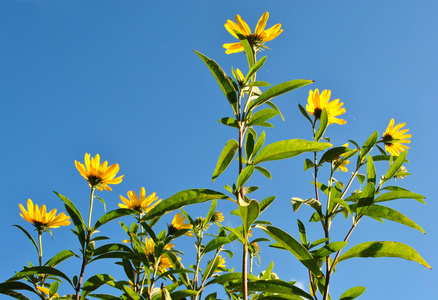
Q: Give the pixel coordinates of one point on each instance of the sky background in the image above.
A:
(119, 78)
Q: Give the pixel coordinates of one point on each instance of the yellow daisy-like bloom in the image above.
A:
(221, 264)
(46, 291)
(98, 175)
(317, 102)
(343, 167)
(217, 217)
(256, 39)
(394, 138)
(149, 249)
(42, 219)
(142, 205)
(178, 224)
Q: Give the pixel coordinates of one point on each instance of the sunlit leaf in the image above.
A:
(183, 198)
(244, 176)
(366, 148)
(275, 286)
(400, 194)
(353, 293)
(229, 122)
(288, 148)
(225, 158)
(222, 79)
(112, 215)
(396, 165)
(293, 246)
(323, 123)
(384, 249)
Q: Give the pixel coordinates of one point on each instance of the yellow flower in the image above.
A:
(41, 219)
(221, 264)
(393, 138)
(178, 224)
(256, 39)
(343, 167)
(98, 175)
(46, 291)
(317, 103)
(217, 217)
(142, 205)
(164, 262)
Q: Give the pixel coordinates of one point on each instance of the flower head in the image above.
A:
(178, 224)
(217, 217)
(343, 165)
(221, 264)
(98, 175)
(42, 219)
(317, 102)
(256, 39)
(142, 205)
(164, 262)
(394, 138)
(46, 291)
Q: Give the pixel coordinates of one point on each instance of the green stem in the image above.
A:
(40, 252)
(91, 207)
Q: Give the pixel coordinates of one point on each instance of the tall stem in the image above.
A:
(40, 252)
(85, 246)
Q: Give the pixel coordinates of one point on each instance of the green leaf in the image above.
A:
(323, 123)
(277, 90)
(254, 69)
(361, 178)
(182, 294)
(225, 158)
(288, 148)
(366, 199)
(384, 249)
(396, 165)
(249, 144)
(76, 217)
(111, 215)
(247, 48)
(304, 113)
(266, 202)
(261, 116)
(353, 293)
(259, 83)
(275, 286)
(308, 164)
(58, 258)
(164, 293)
(244, 176)
(29, 237)
(249, 214)
(344, 204)
(274, 107)
(102, 201)
(14, 285)
(264, 171)
(222, 79)
(183, 198)
(329, 249)
(230, 277)
(318, 242)
(229, 122)
(315, 204)
(387, 213)
(332, 154)
(94, 282)
(215, 244)
(209, 214)
(371, 171)
(401, 194)
(39, 270)
(293, 246)
(302, 230)
(366, 148)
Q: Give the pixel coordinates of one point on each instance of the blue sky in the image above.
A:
(120, 79)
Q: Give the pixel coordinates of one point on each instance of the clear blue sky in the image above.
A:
(119, 78)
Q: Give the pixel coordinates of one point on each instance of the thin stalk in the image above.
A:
(40, 252)
(84, 249)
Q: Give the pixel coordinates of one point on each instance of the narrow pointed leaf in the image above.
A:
(261, 116)
(111, 215)
(184, 198)
(353, 293)
(259, 83)
(266, 202)
(384, 249)
(293, 246)
(229, 122)
(396, 165)
(277, 90)
(401, 194)
(366, 199)
(254, 69)
(58, 258)
(275, 286)
(225, 158)
(264, 171)
(288, 148)
(29, 237)
(237, 276)
(75, 216)
(222, 79)
(215, 244)
(40, 270)
(323, 123)
(244, 176)
(378, 211)
(371, 171)
(369, 144)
